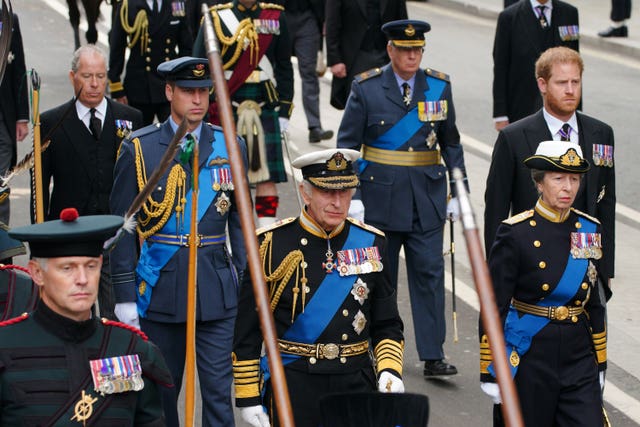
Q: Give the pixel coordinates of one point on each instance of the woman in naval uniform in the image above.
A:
(544, 266)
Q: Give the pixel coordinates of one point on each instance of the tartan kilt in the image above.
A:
(269, 119)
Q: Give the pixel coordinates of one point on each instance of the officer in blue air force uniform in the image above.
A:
(157, 281)
(331, 298)
(404, 121)
(544, 266)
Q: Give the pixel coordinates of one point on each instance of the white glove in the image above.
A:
(453, 209)
(356, 210)
(389, 383)
(284, 124)
(255, 416)
(127, 312)
(601, 378)
(493, 391)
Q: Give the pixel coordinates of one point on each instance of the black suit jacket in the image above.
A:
(80, 166)
(518, 43)
(14, 103)
(510, 187)
(346, 28)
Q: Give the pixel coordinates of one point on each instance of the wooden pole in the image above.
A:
(37, 149)
(245, 209)
(192, 289)
(488, 308)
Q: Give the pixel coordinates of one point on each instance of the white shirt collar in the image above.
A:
(196, 132)
(83, 111)
(400, 81)
(554, 125)
(547, 11)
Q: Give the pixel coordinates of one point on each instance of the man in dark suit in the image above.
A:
(404, 120)
(508, 3)
(305, 19)
(82, 153)
(355, 42)
(509, 184)
(523, 32)
(165, 36)
(151, 291)
(620, 12)
(14, 111)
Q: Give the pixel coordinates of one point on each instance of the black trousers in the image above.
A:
(620, 10)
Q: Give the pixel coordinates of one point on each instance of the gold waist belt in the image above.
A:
(554, 313)
(401, 158)
(323, 351)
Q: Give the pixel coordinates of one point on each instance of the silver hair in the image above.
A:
(42, 262)
(86, 50)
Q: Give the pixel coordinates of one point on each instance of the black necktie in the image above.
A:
(95, 125)
(565, 132)
(542, 17)
(155, 7)
(406, 94)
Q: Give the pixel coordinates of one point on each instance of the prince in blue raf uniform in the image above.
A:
(331, 298)
(153, 287)
(545, 269)
(403, 120)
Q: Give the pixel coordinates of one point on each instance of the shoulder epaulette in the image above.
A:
(212, 126)
(277, 224)
(133, 329)
(271, 6)
(145, 131)
(519, 217)
(14, 320)
(584, 215)
(221, 6)
(367, 227)
(437, 74)
(365, 75)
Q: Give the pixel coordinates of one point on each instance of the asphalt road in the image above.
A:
(459, 45)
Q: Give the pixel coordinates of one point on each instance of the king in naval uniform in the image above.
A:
(331, 298)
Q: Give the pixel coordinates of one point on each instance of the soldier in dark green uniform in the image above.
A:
(17, 292)
(60, 365)
(331, 298)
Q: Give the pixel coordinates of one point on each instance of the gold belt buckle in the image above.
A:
(562, 312)
(330, 351)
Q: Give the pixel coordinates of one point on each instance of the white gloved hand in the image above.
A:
(127, 312)
(255, 416)
(356, 210)
(389, 383)
(493, 391)
(284, 124)
(601, 378)
(453, 209)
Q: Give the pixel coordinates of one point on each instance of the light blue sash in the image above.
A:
(519, 331)
(404, 129)
(153, 257)
(326, 301)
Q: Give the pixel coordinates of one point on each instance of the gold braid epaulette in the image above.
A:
(245, 37)
(271, 6)
(140, 28)
(175, 187)
(278, 279)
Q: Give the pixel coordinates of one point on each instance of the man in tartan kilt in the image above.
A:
(256, 54)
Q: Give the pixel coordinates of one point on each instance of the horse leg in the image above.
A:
(74, 19)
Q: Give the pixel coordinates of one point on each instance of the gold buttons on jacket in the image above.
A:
(574, 319)
(312, 360)
(382, 122)
(584, 286)
(345, 337)
(542, 264)
(148, 59)
(532, 223)
(147, 68)
(537, 243)
(168, 41)
(304, 241)
(343, 360)
(545, 286)
(578, 225)
(345, 312)
(148, 49)
(578, 302)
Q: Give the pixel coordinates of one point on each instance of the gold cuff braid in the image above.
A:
(389, 355)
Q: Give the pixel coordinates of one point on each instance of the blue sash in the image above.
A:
(155, 256)
(404, 129)
(519, 331)
(326, 301)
